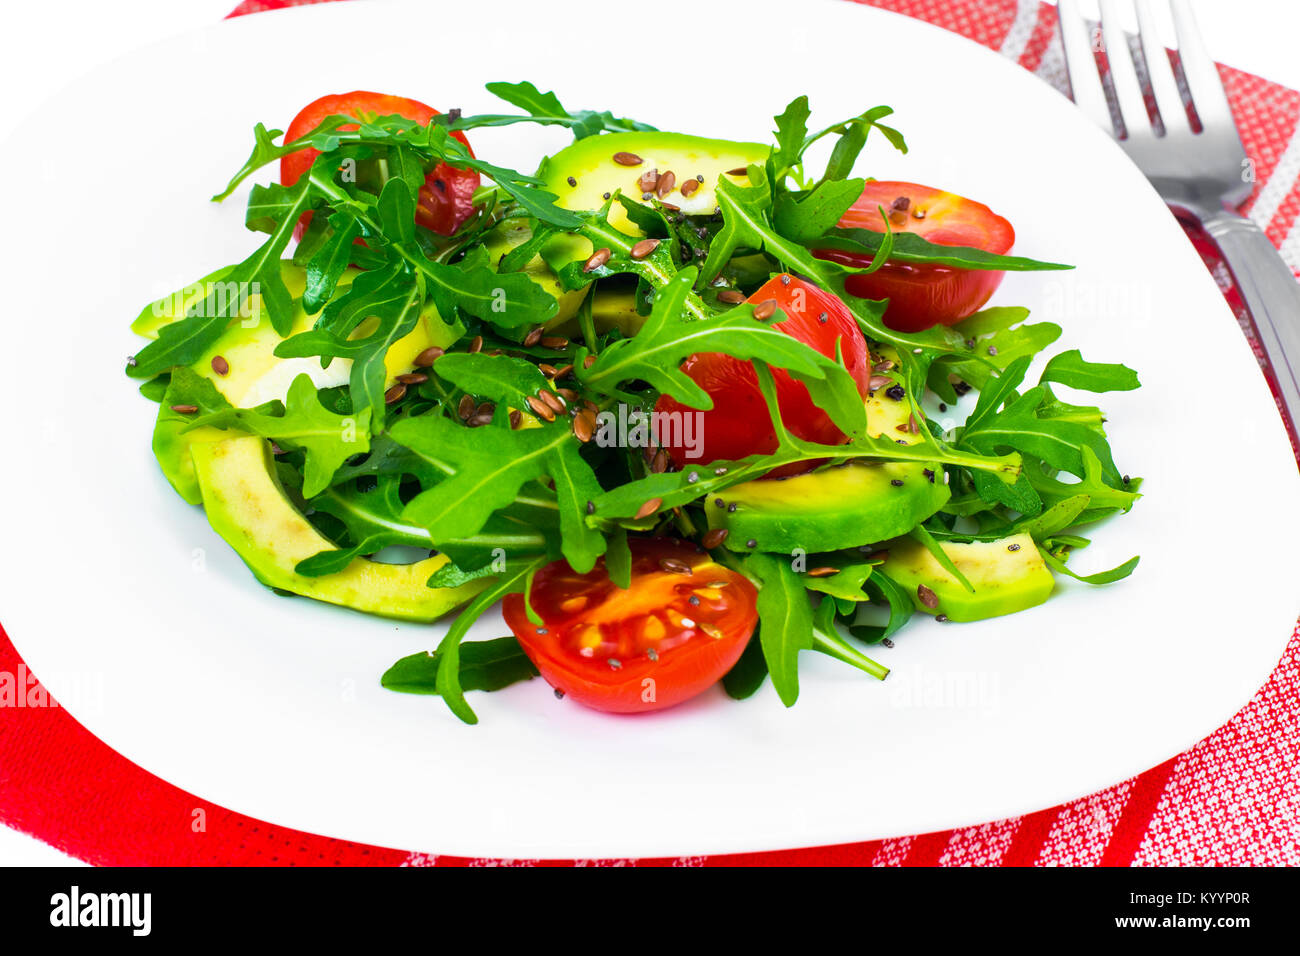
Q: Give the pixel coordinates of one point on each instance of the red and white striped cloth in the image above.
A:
(1231, 799)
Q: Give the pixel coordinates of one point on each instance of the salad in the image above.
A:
(685, 407)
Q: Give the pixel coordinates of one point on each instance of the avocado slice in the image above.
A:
(842, 506)
(590, 164)
(1008, 575)
(247, 506)
(255, 374)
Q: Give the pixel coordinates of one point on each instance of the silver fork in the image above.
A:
(1204, 173)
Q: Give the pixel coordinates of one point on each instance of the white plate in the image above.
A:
(157, 638)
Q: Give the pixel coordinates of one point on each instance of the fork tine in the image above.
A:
(1160, 71)
(1128, 92)
(1081, 65)
(1203, 80)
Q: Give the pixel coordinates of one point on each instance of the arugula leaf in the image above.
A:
(1101, 577)
(748, 674)
(791, 131)
(1069, 368)
(373, 518)
(328, 439)
(912, 248)
(490, 468)
(881, 587)
(447, 681)
(484, 665)
(504, 379)
(546, 109)
(785, 621)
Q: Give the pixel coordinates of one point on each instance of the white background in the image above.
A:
(47, 45)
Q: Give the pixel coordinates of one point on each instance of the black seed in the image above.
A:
(694, 600)
(652, 655)
(719, 503)
(541, 630)
(1013, 547)
(943, 407)
(752, 543)
(591, 507)
(1126, 479)
(941, 618)
(896, 482)
(895, 392)
(614, 664)
(731, 507)
(605, 196)
(887, 642)
(559, 694)
(693, 477)
(572, 181)
(929, 474)
(822, 318)
(993, 350)
(719, 471)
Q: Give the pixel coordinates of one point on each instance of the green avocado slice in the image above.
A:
(254, 374)
(843, 506)
(1008, 575)
(247, 506)
(581, 174)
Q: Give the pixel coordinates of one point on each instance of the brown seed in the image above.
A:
(185, 409)
(556, 342)
(467, 407)
(689, 187)
(413, 378)
(395, 394)
(647, 509)
(644, 248)
(765, 309)
(648, 181)
(428, 357)
(928, 597)
(822, 572)
(731, 296)
(673, 566)
(584, 425)
(516, 418)
(738, 171)
(546, 369)
(589, 361)
(553, 401)
(533, 337)
(483, 416)
(598, 259)
(877, 556)
(540, 408)
(666, 183)
(589, 404)
(627, 159)
(562, 371)
(220, 365)
(476, 344)
(568, 394)
(659, 462)
(878, 381)
(714, 538)
(670, 207)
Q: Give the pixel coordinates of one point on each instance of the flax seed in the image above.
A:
(185, 409)
(553, 401)
(220, 365)
(644, 248)
(648, 181)
(689, 187)
(927, 597)
(540, 408)
(823, 572)
(584, 426)
(731, 296)
(714, 538)
(428, 357)
(556, 342)
(476, 344)
(765, 309)
(413, 378)
(673, 566)
(395, 394)
(516, 418)
(598, 259)
(647, 509)
(627, 159)
(533, 337)
(666, 183)
(467, 407)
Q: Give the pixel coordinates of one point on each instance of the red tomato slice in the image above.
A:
(682, 624)
(921, 296)
(738, 424)
(444, 202)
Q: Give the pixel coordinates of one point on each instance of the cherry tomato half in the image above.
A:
(923, 295)
(445, 201)
(739, 424)
(681, 625)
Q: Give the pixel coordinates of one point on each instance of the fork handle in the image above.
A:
(1272, 295)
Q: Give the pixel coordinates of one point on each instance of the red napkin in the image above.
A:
(1229, 800)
